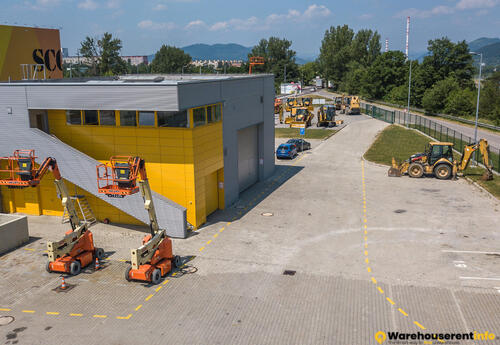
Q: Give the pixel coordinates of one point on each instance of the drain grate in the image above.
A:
(289, 272)
(5, 320)
(399, 211)
(267, 214)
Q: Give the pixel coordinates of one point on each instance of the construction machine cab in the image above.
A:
(439, 150)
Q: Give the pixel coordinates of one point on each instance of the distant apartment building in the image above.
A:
(216, 63)
(134, 60)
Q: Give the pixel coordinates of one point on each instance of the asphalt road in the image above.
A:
(364, 252)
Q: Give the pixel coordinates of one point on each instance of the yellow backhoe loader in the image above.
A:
(355, 108)
(437, 160)
(301, 117)
(326, 116)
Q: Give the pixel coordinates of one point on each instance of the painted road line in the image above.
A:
(228, 223)
(366, 245)
(221, 230)
(374, 281)
(201, 249)
(28, 311)
(138, 307)
(100, 316)
(158, 288)
(479, 278)
(390, 300)
(124, 317)
(165, 282)
(52, 313)
(29, 249)
(215, 235)
(402, 312)
(419, 325)
(470, 252)
(75, 314)
(367, 260)
(149, 297)
(369, 269)
(5, 309)
(380, 289)
(209, 241)
(366, 252)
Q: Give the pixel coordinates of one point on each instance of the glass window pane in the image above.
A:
(218, 112)
(127, 118)
(199, 116)
(107, 118)
(172, 118)
(146, 118)
(73, 117)
(90, 117)
(210, 113)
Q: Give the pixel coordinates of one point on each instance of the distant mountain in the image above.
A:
(475, 45)
(491, 54)
(230, 51)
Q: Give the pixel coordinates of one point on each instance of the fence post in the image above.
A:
(461, 143)
(447, 137)
(440, 132)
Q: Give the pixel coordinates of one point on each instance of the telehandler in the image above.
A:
(438, 161)
(76, 249)
(126, 175)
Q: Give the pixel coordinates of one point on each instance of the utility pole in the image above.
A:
(478, 97)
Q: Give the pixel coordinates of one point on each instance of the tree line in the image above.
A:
(443, 82)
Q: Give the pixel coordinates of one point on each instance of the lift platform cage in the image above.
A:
(118, 178)
(19, 170)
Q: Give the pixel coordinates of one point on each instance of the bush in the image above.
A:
(460, 102)
(435, 99)
(398, 95)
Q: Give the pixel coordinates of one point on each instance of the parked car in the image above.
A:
(298, 143)
(286, 151)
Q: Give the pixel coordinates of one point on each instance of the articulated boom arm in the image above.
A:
(145, 253)
(147, 196)
(65, 246)
(469, 150)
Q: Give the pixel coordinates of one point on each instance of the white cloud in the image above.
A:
(88, 5)
(195, 24)
(467, 4)
(150, 25)
(160, 7)
(315, 11)
(219, 26)
(113, 4)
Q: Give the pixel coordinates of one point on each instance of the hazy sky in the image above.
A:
(144, 25)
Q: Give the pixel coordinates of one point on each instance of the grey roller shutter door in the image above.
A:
(248, 157)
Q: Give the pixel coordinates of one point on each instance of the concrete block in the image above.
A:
(13, 231)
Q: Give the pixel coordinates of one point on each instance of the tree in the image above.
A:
(365, 47)
(336, 52)
(461, 102)
(489, 104)
(398, 95)
(277, 55)
(169, 59)
(387, 72)
(309, 71)
(103, 55)
(435, 99)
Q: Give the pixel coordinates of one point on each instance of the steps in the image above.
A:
(82, 208)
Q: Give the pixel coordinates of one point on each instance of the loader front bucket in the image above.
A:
(394, 172)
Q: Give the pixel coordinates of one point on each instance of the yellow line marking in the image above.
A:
(45, 251)
(75, 314)
(366, 245)
(123, 260)
(419, 325)
(369, 269)
(228, 223)
(380, 289)
(427, 342)
(215, 235)
(365, 220)
(402, 312)
(209, 241)
(124, 317)
(366, 226)
(28, 311)
(366, 232)
(138, 307)
(366, 252)
(101, 316)
(374, 280)
(5, 309)
(165, 282)
(158, 288)
(221, 230)
(202, 248)
(52, 313)
(366, 238)
(149, 297)
(390, 300)
(367, 261)
(29, 249)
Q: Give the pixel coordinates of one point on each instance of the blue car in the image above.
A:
(286, 151)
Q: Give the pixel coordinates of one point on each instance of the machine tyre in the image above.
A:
(442, 171)
(75, 268)
(177, 261)
(415, 170)
(47, 267)
(99, 253)
(155, 276)
(127, 273)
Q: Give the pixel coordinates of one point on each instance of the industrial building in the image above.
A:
(205, 139)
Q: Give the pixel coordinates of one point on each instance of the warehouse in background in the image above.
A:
(29, 53)
(205, 139)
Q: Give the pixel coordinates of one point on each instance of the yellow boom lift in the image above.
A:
(437, 160)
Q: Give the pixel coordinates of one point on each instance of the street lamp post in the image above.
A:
(478, 96)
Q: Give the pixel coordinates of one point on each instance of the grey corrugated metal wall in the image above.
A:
(75, 166)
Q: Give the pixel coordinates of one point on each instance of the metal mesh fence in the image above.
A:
(431, 128)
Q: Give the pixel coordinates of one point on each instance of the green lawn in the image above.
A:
(310, 133)
(401, 143)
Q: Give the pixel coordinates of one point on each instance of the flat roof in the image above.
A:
(140, 79)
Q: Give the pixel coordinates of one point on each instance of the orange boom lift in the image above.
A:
(76, 249)
(126, 175)
(255, 60)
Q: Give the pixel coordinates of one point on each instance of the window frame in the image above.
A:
(73, 124)
(138, 118)
(120, 117)
(114, 117)
(186, 112)
(194, 121)
(84, 123)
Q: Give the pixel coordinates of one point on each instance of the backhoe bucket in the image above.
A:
(394, 170)
(487, 176)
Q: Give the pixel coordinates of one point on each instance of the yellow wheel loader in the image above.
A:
(437, 160)
(301, 116)
(355, 107)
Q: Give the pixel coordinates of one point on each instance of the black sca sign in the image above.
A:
(51, 58)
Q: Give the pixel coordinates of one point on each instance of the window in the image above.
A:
(146, 118)
(90, 117)
(172, 118)
(210, 114)
(218, 112)
(73, 117)
(128, 118)
(199, 116)
(107, 118)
